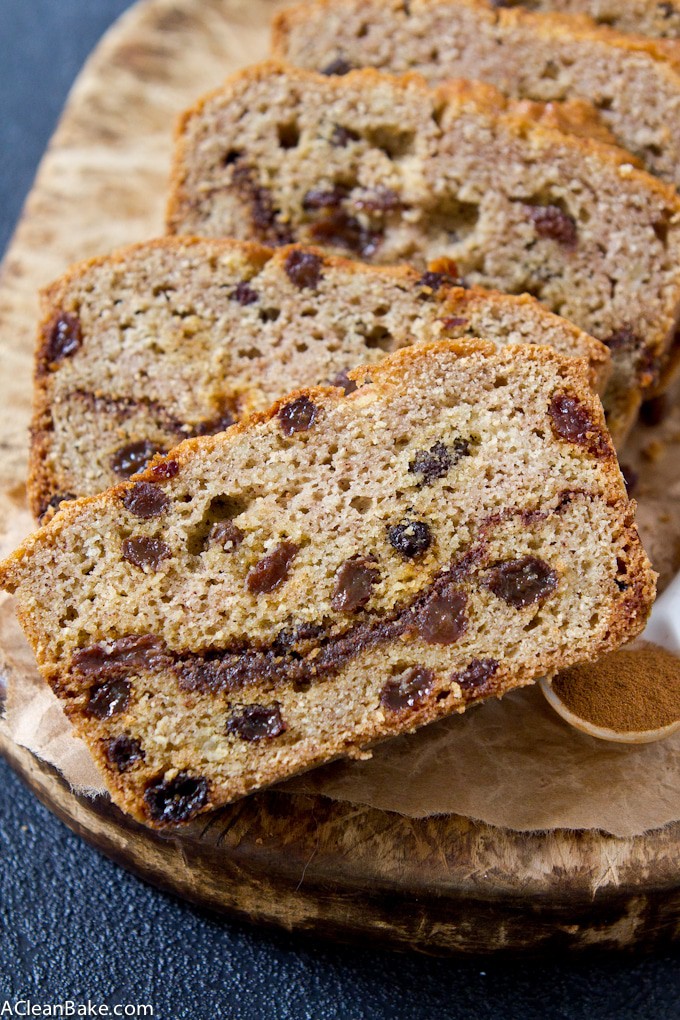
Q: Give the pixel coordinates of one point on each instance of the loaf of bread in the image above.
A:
(335, 571)
(628, 79)
(659, 19)
(181, 336)
(388, 170)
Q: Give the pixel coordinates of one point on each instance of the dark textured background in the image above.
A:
(73, 925)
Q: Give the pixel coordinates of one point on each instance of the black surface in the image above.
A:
(74, 926)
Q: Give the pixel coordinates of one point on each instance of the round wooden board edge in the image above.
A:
(439, 885)
(286, 861)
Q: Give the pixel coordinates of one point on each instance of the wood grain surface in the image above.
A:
(305, 863)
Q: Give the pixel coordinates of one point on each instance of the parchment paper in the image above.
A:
(511, 763)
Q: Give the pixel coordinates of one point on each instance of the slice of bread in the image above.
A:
(335, 571)
(182, 336)
(630, 80)
(389, 170)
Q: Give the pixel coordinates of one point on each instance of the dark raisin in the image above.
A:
(340, 230)
(570, 420)
(553, 223)
(211, 426)
(438, 460)
(109, 698)
(130, 459)
(145, 552)
(434, 281)
(324, 198)
(304, 268)
(165, 470)
(339, 66)
(64, 338)
(227, 534)
(476, 676)
(442, 619)
(654, 410)
(56, 501)
(343, 382)
(297, 416)
(244, 294)
(630, 477)
(272, 570)
(342, 136)
(410, 538)
(127, 653)
(408, 691)
(145, 500)
(123, 752)
(176, 800)
(623, 339)
(257, 722)
(264, 215)
(454, 321)
(379, 200)
(354, 583)
(522, 582)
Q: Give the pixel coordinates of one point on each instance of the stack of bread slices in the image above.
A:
(337, 457)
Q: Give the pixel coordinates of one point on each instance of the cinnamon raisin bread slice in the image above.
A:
(177, 337)
(630, 80)
(335, 571)
(389, 170)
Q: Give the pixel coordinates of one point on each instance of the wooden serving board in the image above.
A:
(442, 884)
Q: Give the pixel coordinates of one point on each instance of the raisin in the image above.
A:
(343, 382)
(165, 470)
(320, 198)
(272, 570)
(476, 676)
(265, 217)
(64, 338)
(127, 653)
(304, 268)
(354, 583)
(56, 501)
(176, 800)
(654, 410)
(410, 538)
(130, 459)
(123, 752)
(109, 698)
(623, 339)
(570, 420)
(297, 416)
(438, 460)
(145, 500)
(244, 294)
(342, 136)
(227, 534)
(145, 552)
(340, 230)
(454, 321)
(442, 619)
(338, 67)
(408, 691)
(379, 200)
(630, 477)
(211, 426)
(257, 722)
(434, 281)
(522, 582)
(554, 224)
